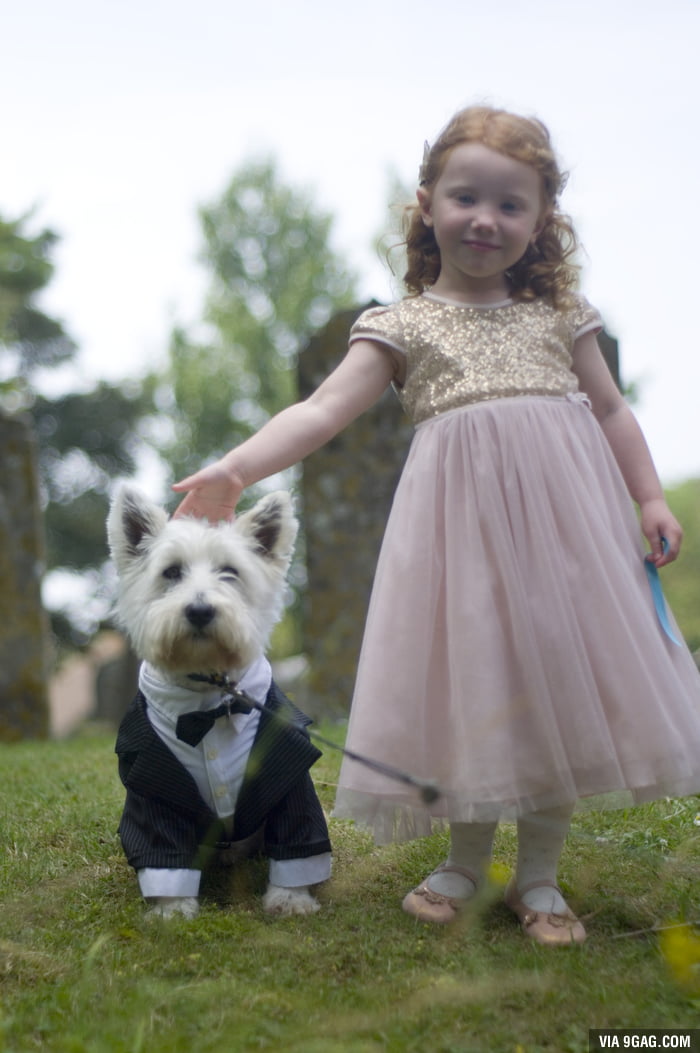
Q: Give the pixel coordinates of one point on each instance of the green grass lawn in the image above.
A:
(81, 971)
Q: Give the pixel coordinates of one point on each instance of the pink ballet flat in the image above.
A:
(552, 930)
(427, 905)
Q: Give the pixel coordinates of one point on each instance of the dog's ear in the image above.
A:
(271, 524)
(132, 519)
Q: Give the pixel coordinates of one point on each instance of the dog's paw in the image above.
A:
(288, 901)
(172, 906)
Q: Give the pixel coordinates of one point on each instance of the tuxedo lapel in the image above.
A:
(149, 768)
(282, 752)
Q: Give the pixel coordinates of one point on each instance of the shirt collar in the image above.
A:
(170, 700)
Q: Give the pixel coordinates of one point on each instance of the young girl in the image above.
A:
(512, 651)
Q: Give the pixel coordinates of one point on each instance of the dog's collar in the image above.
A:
(222, 680)
(254, 680)
(233, 697)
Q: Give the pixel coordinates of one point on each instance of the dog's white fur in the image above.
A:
(167, 567)
(196, 598)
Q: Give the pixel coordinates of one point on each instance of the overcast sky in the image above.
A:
(119, 118)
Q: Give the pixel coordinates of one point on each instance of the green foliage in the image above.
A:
(29, 339)
(86, 440)
(681, 580)
(274, 280)
(81, 971)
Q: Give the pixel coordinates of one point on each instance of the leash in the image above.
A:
(428, 790)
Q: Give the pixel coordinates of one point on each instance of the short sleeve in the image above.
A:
(381, 324)
(585, 318)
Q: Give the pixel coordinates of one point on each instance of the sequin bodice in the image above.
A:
(456, 354)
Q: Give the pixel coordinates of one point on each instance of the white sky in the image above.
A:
(118, 118)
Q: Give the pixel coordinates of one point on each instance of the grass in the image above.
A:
(81, 971)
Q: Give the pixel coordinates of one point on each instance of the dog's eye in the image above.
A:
(173, 573)
(228, 572)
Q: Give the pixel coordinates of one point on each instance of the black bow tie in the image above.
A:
(192, 727)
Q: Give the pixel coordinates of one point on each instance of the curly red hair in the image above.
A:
(547, 268)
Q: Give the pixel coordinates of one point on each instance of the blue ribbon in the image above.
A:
(658, 595)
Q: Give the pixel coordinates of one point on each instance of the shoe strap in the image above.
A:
(452, 868)
(520, 892)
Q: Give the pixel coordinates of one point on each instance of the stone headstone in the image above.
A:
(24, 708)
(348, 487)
(611, 354)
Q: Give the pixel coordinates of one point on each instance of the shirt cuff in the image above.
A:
(292, 873)
(161, 881)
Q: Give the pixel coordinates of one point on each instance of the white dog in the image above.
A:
(212, 754)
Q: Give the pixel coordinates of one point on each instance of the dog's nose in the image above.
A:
(199, 614)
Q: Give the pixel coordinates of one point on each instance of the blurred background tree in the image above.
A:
(29, 339)
(85, 439)
(273, 279)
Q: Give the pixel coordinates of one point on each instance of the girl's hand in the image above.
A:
(212, 494)
(658, 522)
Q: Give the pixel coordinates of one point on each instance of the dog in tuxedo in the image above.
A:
(213, 756)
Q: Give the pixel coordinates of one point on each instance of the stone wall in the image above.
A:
(24, 710)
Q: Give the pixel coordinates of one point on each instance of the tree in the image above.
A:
(84, 439)
(274, 280)
(29, 339)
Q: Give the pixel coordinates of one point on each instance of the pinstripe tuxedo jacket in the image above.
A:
(167, 823)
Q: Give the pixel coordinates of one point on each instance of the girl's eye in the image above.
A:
(466, 199)
(509, 206)
(173, 573)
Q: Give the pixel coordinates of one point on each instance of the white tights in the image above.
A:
(541, 837)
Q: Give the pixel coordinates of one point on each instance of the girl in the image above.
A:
(512, 650)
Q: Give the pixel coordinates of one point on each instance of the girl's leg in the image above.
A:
(541, 837)
(471, 845)
(532, 895)
(443, 892)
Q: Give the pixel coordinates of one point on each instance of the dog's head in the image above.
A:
(195, 597)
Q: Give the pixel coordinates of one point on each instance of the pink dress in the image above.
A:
(512, 651)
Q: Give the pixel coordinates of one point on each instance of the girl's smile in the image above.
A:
(481, 246)
(485, 209)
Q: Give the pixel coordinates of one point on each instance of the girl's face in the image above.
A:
(485, 209)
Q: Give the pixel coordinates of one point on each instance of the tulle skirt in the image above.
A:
(512, 651)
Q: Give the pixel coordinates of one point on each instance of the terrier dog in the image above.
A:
(213, 756)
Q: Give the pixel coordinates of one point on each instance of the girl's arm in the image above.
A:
(629, 448)
(354, 386)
